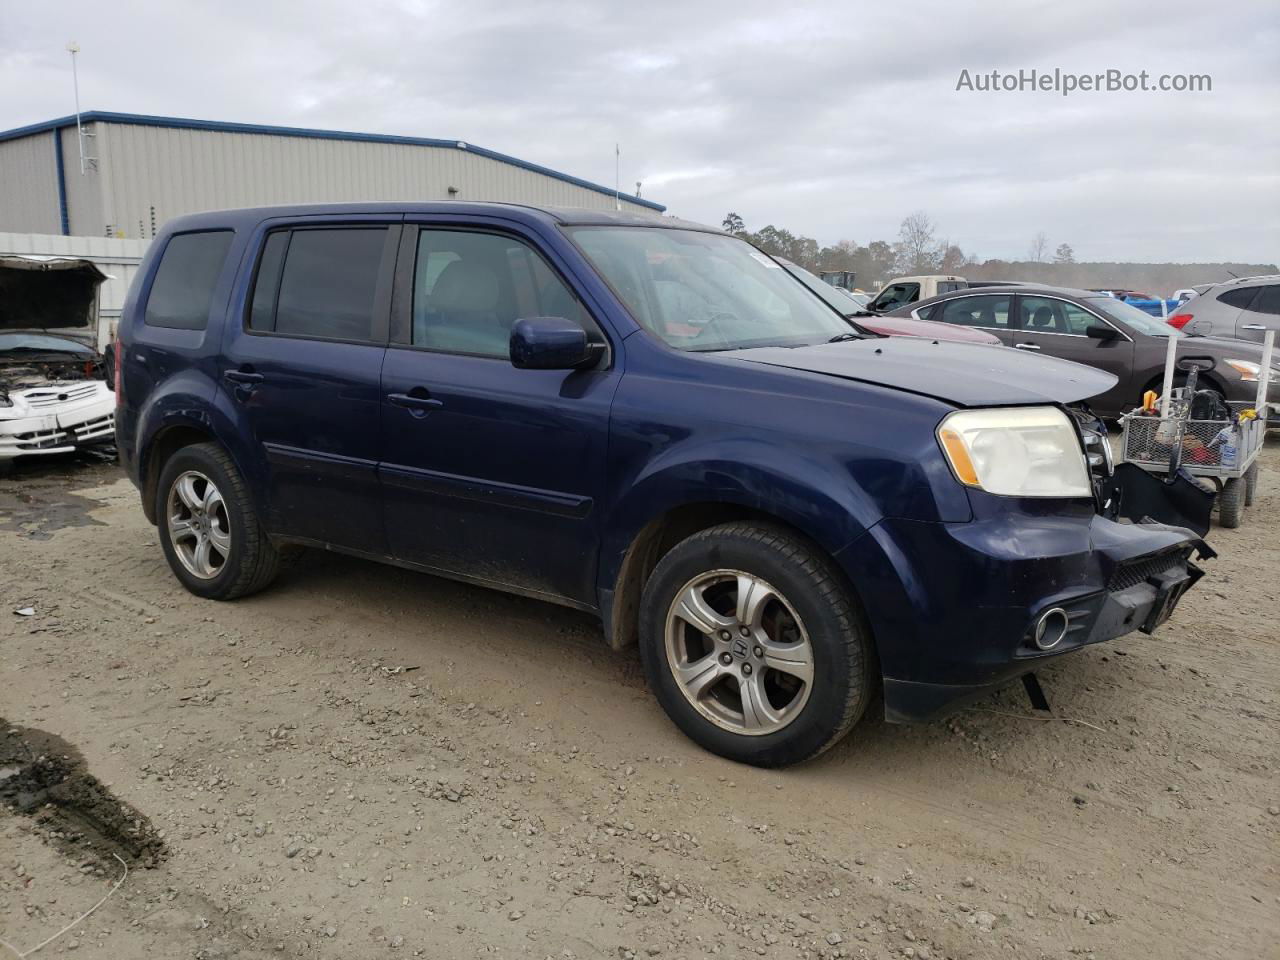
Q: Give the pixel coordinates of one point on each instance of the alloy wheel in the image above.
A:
(739, 652)
(199, 527)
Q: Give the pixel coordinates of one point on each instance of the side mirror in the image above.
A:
(1100, 331)
(552, 343)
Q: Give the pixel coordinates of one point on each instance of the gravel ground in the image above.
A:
(366, 762)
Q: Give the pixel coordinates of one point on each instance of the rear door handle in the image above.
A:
(417, 401)
(1253, 326)
(243, 376)
(1027, 346)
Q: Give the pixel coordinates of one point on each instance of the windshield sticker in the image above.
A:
(767, 261)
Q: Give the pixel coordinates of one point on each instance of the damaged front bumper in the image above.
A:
(1018, 565)
(43, 424)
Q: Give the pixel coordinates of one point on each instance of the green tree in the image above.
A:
(732, 223)
(1064, 254)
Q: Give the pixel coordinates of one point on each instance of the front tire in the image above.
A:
(209, 530)
(754, 646)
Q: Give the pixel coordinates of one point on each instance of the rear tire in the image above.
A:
(1231, 503)
(1250, 484)
(783, 669)
(209, 530)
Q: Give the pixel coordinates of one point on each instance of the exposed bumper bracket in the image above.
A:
(1035, 693)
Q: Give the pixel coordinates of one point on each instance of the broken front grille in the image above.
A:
(1130, 573)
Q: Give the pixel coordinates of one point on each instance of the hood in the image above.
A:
(964, 374)
(911, 327)
(48, 293)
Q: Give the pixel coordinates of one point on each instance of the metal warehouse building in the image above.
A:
(145, 170)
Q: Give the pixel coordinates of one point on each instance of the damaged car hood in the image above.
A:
(967, 375)
(48, 293)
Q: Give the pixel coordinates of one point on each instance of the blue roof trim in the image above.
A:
(182, 123)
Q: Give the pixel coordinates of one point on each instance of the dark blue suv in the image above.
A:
(643, 418)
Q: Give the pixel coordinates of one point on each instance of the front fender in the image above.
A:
(813, 495)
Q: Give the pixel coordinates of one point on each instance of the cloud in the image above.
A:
(830, 120)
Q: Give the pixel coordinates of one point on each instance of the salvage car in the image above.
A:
(647, 419)
(855, 311)
(54, 397)
(1104, 332)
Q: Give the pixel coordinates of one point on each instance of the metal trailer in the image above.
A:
(1224, 451)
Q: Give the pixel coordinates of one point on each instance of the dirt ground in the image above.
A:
(366, 762)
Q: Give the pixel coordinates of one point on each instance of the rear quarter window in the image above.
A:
(1240, 297)
(182, 291)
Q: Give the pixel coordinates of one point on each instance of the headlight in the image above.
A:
(1247, 369)
(1016, 452)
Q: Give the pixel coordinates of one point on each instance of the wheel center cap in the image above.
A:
(739, 648)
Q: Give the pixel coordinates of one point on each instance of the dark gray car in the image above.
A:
(1102, 332)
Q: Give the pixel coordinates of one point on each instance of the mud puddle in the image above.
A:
(34, 497)
(43, 777)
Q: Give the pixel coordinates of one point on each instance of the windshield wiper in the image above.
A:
(841, 337)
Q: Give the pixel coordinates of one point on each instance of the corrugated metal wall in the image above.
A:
(177, 171)
(117, 258)
(29, 184)
(84, 190)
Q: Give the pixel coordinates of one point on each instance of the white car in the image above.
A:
(53, 393)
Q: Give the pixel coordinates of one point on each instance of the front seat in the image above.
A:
(1042, 318)
(461, 313)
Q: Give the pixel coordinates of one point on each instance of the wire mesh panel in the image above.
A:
(1150, 441)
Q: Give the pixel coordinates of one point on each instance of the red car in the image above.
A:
(886, 326)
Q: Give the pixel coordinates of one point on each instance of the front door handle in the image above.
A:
(1027, 346)
(245, 377)
(1253, 326)
(417, 401)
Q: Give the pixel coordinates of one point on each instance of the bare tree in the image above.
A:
(1039, 247)
(953, 259)
(917, 246)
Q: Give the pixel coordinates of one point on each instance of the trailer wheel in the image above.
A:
(1231, 503)
(1250, 484)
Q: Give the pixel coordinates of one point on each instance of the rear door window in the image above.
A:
(319, 283)
(182, 291)
(1268, 300)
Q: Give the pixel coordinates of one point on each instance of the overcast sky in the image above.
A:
(832, 119)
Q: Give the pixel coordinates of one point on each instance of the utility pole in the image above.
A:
(73, 48)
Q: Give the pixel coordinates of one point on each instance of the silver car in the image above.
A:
(1245, 308)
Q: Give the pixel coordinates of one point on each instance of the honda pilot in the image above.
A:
(643, 418)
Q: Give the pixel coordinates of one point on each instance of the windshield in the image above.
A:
(1131, 315)
(839, 300)
(705, 291)
(39, 342)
